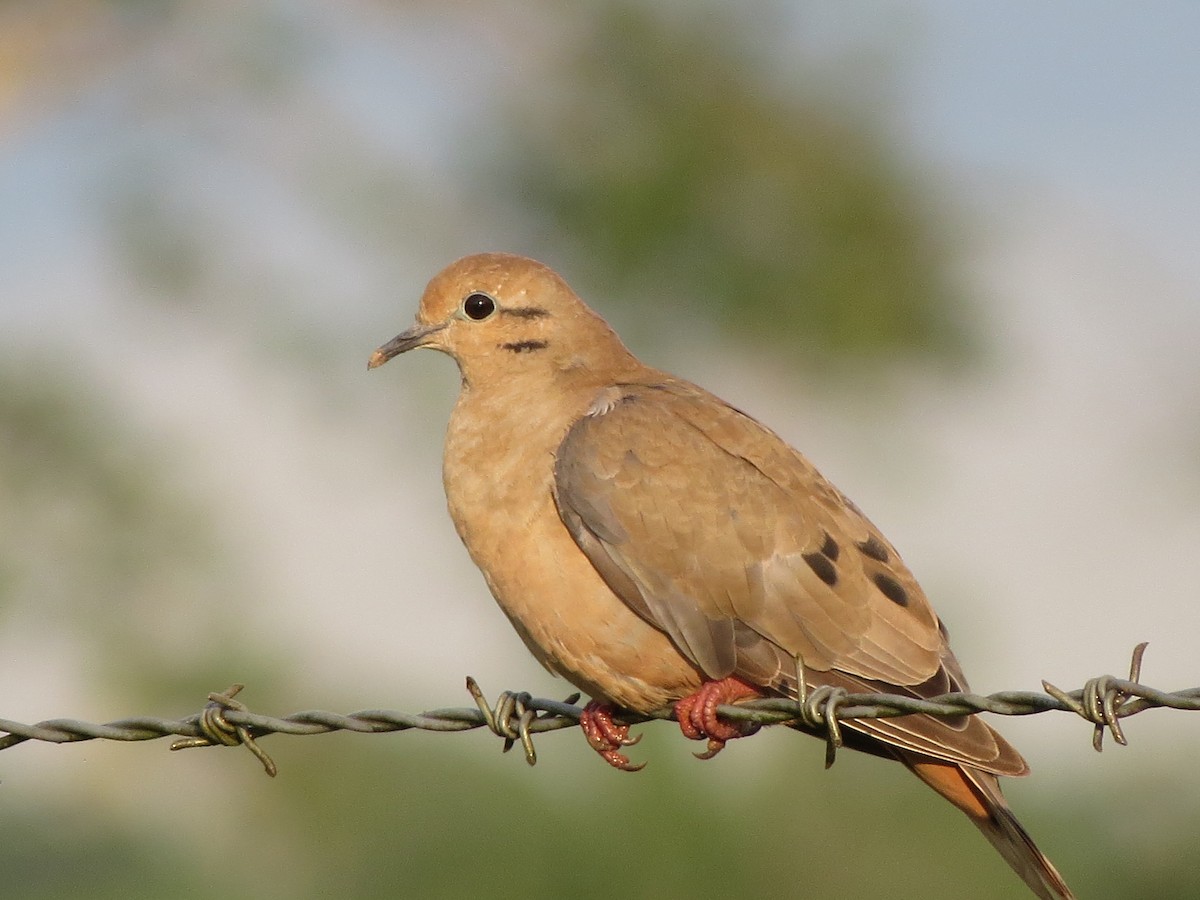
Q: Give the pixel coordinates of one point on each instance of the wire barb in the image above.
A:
(512, 706)
(1103, 699)
(820, 711)
(516, 716)
(216, 730)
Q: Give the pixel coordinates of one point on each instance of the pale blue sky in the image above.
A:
(1098, 102)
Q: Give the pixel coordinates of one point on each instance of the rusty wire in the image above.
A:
(517, 716)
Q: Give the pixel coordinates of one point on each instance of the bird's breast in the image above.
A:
(498, 466)
(498, 471)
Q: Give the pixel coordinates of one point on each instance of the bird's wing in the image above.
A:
(720, 534)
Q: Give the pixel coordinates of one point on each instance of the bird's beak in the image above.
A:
(417, 336)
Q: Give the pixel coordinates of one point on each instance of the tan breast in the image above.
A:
(498, 470)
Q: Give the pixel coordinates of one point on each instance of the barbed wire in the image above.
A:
(516, 715)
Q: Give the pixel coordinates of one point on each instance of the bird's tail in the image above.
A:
(977, 793)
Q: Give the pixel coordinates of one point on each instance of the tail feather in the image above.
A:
(977, 794)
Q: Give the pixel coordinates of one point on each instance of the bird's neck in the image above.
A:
(504, 432)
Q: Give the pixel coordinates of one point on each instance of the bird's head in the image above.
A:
(501, 315)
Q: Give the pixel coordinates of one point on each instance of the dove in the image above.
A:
(654, 545)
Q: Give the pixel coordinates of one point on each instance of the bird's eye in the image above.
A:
(478, 306)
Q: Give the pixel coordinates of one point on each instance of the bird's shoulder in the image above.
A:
(670, 427)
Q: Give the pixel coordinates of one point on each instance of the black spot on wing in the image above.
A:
(873, 547)
(830, 548)
(822, 567)
(891, 589)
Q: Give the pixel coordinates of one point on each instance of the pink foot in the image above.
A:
(697, 714)
(607, 737)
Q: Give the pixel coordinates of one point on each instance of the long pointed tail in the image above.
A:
(978, 794)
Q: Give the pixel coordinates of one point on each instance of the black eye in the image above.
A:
(478, 306)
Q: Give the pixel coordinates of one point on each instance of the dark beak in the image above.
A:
(417, 336)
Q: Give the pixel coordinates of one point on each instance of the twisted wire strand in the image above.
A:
(516, 716)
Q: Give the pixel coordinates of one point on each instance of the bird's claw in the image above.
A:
(697, 714)
(607, 737)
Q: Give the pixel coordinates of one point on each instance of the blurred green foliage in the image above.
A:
(670, 169)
